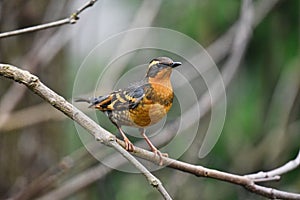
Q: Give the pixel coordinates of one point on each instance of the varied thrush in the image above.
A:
(142, 104)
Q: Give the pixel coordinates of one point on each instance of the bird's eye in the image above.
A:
(161, 65)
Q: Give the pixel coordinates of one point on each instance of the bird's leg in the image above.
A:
(128, 145)
(153, 148)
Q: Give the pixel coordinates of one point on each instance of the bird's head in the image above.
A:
(160, 68)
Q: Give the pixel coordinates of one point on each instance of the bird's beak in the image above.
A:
(175, 64)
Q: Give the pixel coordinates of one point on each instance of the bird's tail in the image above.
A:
(92, 100)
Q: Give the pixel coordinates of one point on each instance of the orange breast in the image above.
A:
(154, 106)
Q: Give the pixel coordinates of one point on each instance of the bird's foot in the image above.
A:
(161, 155)
(128, 145)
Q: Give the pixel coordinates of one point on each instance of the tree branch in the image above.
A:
(72, 19)
(33, 83)
(247, 182)
(100, 134)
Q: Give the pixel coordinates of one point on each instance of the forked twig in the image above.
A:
(69, 20)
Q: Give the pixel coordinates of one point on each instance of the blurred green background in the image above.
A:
(262, 126)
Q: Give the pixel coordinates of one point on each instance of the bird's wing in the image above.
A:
(135, 95)
(127, 98)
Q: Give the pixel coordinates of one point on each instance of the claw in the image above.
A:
(128, 145)
(160, 154)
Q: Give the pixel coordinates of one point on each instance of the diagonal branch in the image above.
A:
(100, 134)
(155, 182)
(69, 20)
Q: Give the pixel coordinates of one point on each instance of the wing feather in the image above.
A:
(128, 98)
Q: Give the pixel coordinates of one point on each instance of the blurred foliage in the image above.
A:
(256, 135)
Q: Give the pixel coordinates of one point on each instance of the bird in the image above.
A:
(141, 104)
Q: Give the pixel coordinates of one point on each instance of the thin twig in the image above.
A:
(69, 20)
(85, 6)
(100, 134)
(267, 176)
(35, 28)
